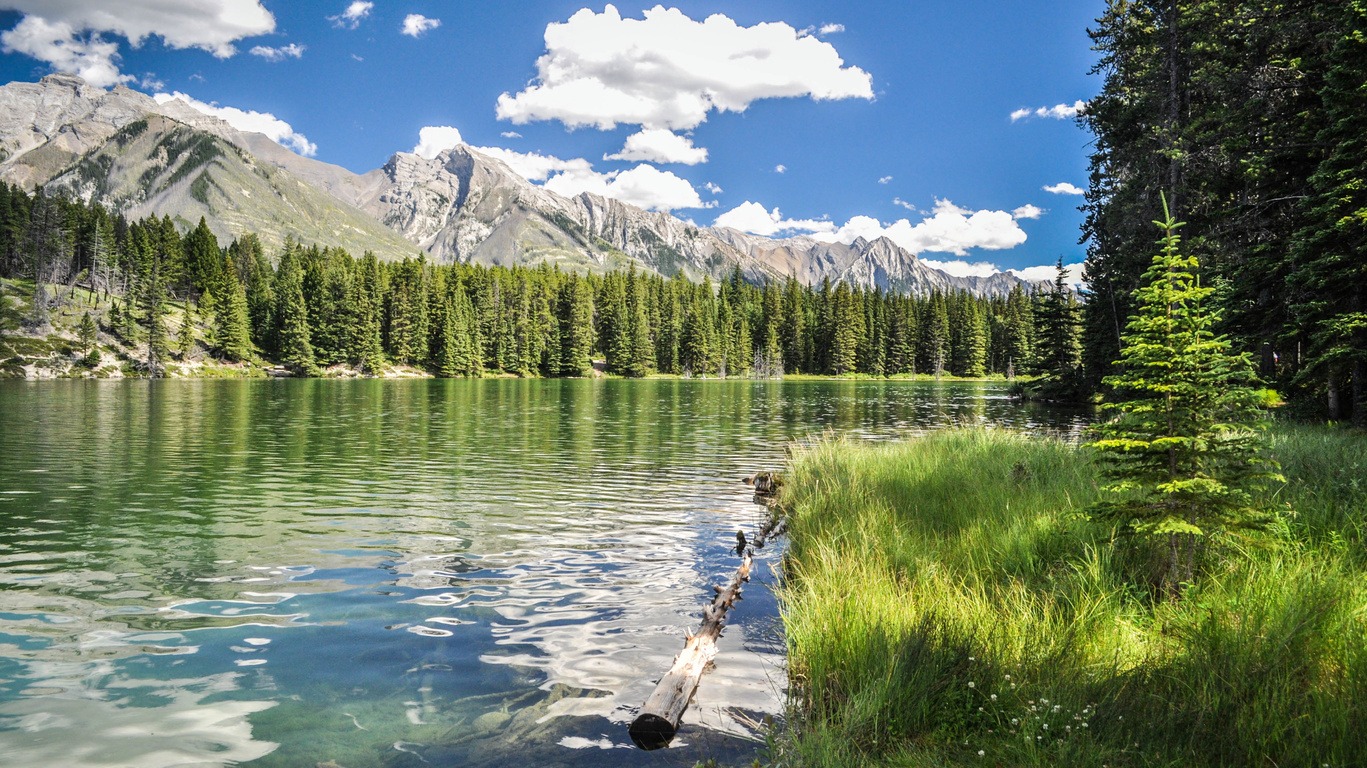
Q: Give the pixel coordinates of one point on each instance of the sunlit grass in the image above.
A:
(947, 597)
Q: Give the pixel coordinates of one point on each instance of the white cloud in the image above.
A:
(67, 34)
(713, 188)
(151, 82)
(780, 168)
(434, 138)
(1064, 188)
(291, 51)
(884, 179)
(415, 24)
(534, 166)
(830, 29)
(1056, 112)
(351, 17)
(903, 203)
(1047, 273)
(245, 120)
(1027, 211)
(754, 218)
(666, 70)
(212, 25)
(959, 268)
(643, 186)
(511, 135)
(92, 58)
(660, 145)
(949, 229)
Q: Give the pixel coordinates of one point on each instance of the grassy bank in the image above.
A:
(948, 604)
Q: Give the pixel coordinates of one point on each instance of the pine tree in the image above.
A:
(366, 347)
(1058, 350)
(185, 337)
(232, 333)
(153, 310)
(1181, 448)
(1331, 253)
(575, 314)
(86, 332)
(640, 350)
(292, 345)
(846, 328)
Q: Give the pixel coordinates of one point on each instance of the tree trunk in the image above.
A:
(658, 719)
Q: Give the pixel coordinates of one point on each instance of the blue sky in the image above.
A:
(901, 118)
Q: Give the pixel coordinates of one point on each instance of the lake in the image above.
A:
(399, 573)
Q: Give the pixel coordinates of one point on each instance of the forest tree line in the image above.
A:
(310, 307)
(1251, 115)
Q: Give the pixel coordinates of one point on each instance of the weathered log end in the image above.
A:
(650, 731)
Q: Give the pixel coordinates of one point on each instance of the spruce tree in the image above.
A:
(290, 313)
(1330, 280)
(232, 332)
(575, 314)
(1181, 448)
(1058, 351)
(86, 332)
(185, 337)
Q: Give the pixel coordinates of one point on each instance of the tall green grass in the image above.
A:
(947, 603)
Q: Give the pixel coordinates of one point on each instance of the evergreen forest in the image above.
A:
(309, 308)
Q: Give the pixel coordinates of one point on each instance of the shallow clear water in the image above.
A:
(395, 573)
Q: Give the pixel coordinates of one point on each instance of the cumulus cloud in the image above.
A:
(1064, 188)
(949, 229)
(666, 70)
(246, 120)
(1027, 211)
(713, 188)
(212, 25)
(660, 145)
(534, 166)
(433, 139)
(415, 24)
(904, 204)
(511, 135)
(90, 57)
(960, 268)
(830, 29)
(644, 186)
(1047, 273)
(351, 17)
(754, 218)
(291, 51)
(780, 168)
(67, 34)
(1056, 112)
(884, 179)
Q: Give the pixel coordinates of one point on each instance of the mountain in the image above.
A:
(123, 149)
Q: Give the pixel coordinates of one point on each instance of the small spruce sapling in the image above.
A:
(1181, 449)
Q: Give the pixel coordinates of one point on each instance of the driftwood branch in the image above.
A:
(658, 719)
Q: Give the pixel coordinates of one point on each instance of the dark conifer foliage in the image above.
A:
(1250, 115)
(311, 307)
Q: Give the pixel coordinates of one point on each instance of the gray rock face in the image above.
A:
(121, 148)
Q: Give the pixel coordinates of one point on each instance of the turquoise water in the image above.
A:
(395, 573)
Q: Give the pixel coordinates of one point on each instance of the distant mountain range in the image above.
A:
(136, 156)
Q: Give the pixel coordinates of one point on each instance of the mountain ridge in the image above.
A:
(140, 156)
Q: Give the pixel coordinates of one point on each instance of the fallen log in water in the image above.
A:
(658, 719)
